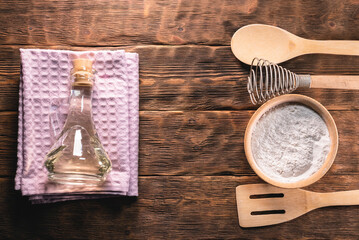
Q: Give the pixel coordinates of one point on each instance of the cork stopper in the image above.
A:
(82, 72)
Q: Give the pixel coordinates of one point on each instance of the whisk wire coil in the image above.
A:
(267, 80)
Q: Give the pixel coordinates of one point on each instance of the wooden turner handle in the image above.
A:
(334, 198)
(337, 82)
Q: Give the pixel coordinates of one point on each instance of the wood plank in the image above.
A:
(111, 22)
(197, 78)
(196, 143)
(170, 208)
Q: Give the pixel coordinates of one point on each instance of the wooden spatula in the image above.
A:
(264, 204)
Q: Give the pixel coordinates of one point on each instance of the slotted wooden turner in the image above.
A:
(264, 204)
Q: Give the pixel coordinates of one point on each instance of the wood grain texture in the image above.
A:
(175, 207)
(197, 143)
(104, 23)
(191, 132)
(197, 78)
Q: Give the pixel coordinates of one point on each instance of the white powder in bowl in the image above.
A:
(290, 142)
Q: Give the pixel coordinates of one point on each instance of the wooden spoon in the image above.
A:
(277, 45)
(263, 204)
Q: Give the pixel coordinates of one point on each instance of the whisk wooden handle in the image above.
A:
(334, 198)
(337, 82)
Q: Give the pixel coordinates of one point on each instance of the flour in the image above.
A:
(290, 142)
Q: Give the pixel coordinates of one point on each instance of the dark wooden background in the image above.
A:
(194, 110)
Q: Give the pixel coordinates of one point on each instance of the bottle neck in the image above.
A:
(80, 100)
(80, 109)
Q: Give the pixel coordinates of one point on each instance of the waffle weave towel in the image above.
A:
(43, 86)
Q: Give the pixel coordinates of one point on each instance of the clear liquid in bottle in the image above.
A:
(77, 156)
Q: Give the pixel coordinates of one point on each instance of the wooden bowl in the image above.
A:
(316, 106)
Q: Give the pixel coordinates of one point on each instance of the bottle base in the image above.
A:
(76, 179)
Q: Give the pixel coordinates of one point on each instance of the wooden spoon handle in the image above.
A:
(332, 81)
(340, 47)
(336, 198)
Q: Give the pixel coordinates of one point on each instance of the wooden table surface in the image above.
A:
(194, 110)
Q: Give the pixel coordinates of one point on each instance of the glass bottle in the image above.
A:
(78, 157)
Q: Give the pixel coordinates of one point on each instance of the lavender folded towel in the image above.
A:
(44, 83)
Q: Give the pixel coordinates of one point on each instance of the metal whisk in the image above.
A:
(267, 80)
